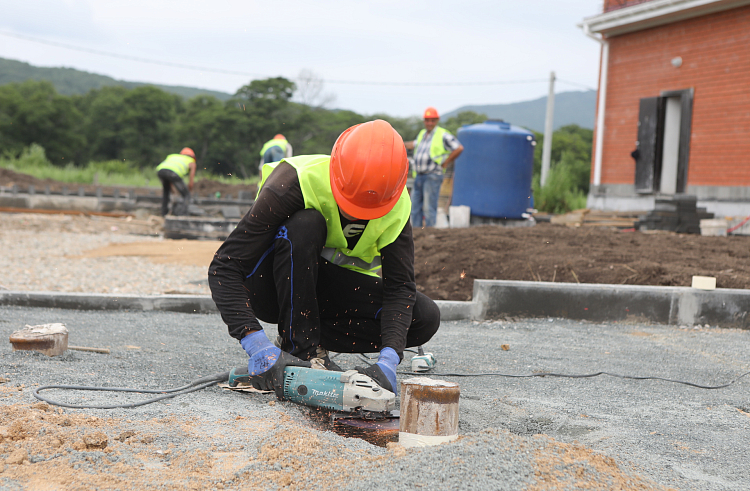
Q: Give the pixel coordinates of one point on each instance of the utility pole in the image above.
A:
(547, 148)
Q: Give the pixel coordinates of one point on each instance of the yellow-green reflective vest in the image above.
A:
(438, 152)
(274, 143)
(313, 172)
(177, 163)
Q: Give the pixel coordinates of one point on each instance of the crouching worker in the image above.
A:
(326, 252)
(171, 172)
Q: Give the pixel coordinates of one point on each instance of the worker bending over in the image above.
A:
(171, 172)
(274, 150)
(307, 257)
(435, 149)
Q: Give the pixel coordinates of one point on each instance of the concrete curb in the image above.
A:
(199, 304)
(675, 305)
(492, 299)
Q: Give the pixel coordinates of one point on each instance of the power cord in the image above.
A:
(587, 375)
(208, 380)
(420, 352)
(195, 385)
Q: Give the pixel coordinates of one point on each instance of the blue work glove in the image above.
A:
(384, 371)
(267, 363)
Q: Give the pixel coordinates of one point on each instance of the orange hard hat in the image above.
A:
(279, 137)
(368, 169)
(187, 151)
(431, 113)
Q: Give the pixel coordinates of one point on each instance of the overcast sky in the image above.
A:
(384, 41)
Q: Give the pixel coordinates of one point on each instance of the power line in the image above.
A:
(575, 84)
(259, 75)
(127, 57)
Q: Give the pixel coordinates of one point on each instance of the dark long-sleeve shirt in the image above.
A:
(279, 198)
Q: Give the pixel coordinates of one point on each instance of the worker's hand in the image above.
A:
(267, 363)
(384, 371)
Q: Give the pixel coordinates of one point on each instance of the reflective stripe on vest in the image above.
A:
(438, 152)
(313, 172)
(273, 143)
(177, 163)
(340, 259)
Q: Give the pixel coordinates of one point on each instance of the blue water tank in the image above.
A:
(493, 173)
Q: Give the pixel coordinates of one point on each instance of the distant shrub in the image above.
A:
(33, 156)
(561, 193)
(33, 161)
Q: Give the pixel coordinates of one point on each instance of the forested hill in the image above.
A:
(69, 81)
(570, 108)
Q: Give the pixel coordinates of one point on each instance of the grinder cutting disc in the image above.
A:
(376, 431)
(390, 424)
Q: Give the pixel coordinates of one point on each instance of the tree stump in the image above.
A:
(49, 339)
(429, 412)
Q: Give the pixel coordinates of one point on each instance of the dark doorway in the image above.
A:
(663, 146)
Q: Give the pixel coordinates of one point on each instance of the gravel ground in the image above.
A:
(533, 434)
(42, 253)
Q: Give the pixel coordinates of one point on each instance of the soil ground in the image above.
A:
(448, 260)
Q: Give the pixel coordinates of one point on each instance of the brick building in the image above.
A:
(673, 114)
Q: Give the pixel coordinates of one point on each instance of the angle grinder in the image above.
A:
(350, 395)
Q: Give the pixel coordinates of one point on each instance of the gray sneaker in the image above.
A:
(322, 355)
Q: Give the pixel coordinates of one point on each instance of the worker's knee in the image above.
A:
(306, 229)
(425, 321)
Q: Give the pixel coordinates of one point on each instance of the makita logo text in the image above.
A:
(324, 393)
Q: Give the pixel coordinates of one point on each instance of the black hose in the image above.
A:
(195, 385)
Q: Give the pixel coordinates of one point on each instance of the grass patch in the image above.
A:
(33, 161)
(560, 194)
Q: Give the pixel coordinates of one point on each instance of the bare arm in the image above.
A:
(453, 156)
(409, 145)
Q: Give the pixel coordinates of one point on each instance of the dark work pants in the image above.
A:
(167, 178)
(317, 303)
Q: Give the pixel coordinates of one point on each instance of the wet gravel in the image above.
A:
(517, 433)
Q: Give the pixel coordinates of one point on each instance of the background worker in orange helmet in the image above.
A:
(326, 253)
(435, 149)
(274, 150)
(171, 172)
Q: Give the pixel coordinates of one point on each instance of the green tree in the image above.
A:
(570, 169)
(104, 127)
(265, 109)
(560, 193)
(148, 120)
(576, 142)
(33, 112)
(463, 118)
(214, 130)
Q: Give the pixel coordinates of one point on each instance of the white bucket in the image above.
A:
(459, 216)
(441, 220)
(714, 226)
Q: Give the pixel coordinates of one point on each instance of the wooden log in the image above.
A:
(429, 412)
(49, 339)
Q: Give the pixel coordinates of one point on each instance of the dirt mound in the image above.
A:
(448, 260)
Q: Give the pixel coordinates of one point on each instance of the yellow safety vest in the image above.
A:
(177, 163)
(274, 143)
(438, 152)
(313, 172)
